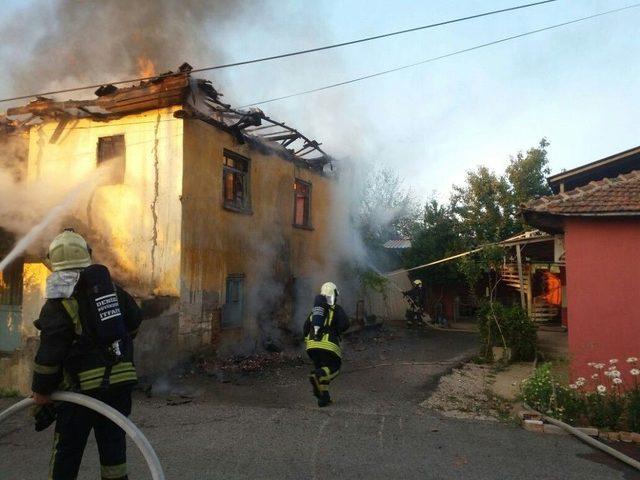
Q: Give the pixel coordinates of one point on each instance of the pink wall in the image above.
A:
(603, 291)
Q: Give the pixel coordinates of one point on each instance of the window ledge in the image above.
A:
(303, 227)
(232, 208)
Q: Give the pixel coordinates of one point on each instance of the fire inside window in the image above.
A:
(233, 309)
(302, 204)
(111, 152)
(235, 177)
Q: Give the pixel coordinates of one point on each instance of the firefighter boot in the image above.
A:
(324, 399)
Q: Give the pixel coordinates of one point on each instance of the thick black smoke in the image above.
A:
(69, 42)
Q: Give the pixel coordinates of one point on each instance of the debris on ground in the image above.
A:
(174, 400)
(466, 393)
(224, 369)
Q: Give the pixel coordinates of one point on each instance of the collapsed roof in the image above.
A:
(199, 99)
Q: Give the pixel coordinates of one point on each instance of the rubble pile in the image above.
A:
(247, 364)
(466, 393)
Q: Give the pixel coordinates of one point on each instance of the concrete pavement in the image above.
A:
(268, 426)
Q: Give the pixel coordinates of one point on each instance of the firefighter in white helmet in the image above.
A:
(86, 328)
(322, 332)
(415, 297)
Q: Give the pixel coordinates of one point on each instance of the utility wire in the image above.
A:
(290, 54)
(447, 55)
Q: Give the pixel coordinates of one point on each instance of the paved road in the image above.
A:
(270, 428)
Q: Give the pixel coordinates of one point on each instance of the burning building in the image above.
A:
(216, 218)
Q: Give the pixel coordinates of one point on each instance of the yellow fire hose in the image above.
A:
(112, 414)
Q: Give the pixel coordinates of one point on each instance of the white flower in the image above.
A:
(608, 373)
(615, 373)
(634, 372)
(632, 360)
(598, 366)
(613, 360)
(617, 381)
(573, 386)
(591, 364)
(612, 367)
(580, 381)
(601, 389)
(594, 376)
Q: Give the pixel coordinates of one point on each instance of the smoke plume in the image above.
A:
(93, 42)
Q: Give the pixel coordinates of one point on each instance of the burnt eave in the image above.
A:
(198, 99)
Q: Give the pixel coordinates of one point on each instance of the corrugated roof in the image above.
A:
(609, 196)
(398, 244)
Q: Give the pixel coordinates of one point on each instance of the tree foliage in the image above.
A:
(483, 210)
(388, 210)
(437, 237)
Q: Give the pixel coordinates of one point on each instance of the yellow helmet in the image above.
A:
(330, 291)
(69, 250)
(417, 282)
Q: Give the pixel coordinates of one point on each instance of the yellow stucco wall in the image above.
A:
(134, 227)
(263, 245)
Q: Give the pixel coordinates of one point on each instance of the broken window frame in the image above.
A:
(236, 168)
(233, 308)
(11, 283)
(112, 148)
(298, 186)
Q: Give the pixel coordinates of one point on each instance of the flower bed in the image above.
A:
(609, 398)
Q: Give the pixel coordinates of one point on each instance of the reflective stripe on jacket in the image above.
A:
(92, 369)
(330, 339)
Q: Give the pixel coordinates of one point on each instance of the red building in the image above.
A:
(597, 208)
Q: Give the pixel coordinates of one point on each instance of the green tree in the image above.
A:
(483, 206)
(437, 237)
(526, 175)
(487, 205)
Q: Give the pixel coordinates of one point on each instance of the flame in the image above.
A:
(146, 68)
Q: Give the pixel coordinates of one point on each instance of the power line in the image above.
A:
(290, 54)
(440, 57)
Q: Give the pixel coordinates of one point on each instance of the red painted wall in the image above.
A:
(603, 291)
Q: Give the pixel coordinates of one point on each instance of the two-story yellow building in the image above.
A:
(216, 219)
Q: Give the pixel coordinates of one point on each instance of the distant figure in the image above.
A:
(86, 329)
(415, 297)
(322, 331)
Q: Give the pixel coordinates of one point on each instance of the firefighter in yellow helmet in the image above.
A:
(86, 325)
(322, 332)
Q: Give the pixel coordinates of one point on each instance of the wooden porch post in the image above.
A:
(523, 302)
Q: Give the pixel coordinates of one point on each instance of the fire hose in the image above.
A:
(112, 414)
(588, 440)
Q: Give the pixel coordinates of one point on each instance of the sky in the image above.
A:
(578, 86)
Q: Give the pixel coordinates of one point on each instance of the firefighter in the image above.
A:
(415, 296)
(86, 325)
(322, 331)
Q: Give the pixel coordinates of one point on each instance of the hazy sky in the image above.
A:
(578, 86)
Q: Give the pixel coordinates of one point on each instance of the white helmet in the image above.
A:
(330, 291)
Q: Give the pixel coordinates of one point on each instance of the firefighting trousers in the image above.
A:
(73, 425)
(326, 367)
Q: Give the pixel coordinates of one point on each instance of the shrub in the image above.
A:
(501, 325)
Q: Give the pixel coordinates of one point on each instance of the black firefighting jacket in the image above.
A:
(69, 359)
(336, 323)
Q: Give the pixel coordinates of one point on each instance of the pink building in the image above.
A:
(597, 208)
